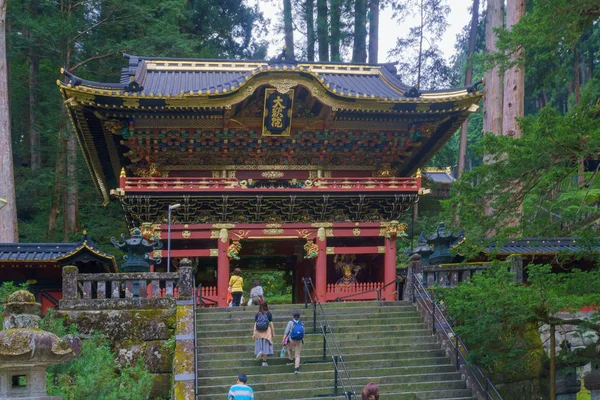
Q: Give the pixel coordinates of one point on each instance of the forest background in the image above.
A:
(555, 163)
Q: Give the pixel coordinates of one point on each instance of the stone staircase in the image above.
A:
(388, 344)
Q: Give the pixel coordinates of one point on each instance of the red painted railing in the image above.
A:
(185, 184)
(341, 290)
(209, 296)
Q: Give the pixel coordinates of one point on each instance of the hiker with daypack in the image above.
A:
(264, 331)
(293, 338)
(257, 295)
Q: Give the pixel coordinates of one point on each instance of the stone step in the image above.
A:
(229, 314)
(386, 343)
(375, 328)
(295, 385)
(220, 325)
(358, 366)
(425, 395)
(346, 305)
(316, 347)
(388, 333)
(385, 375)
(407, 358)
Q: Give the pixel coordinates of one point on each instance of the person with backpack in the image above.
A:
(236, 283)
(257, 295)
(293, 338)
(264, 331)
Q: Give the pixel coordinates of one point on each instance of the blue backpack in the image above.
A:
(297, 332)
(262, 322)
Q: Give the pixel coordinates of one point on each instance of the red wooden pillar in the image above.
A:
(223, 268)
(389, 268)
(321, 266)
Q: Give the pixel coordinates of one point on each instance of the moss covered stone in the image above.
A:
(144, 325)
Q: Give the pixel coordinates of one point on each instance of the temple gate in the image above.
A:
(313, 163)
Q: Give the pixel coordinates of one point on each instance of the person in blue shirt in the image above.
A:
(241, 391)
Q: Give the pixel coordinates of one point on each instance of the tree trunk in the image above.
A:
(492, 112)
(373, 31)
(335, 30)
(310, 30)
(359, 51)
(8, 205)
(288, 28)
(462, 146)
(34, 134)
(322, 30)
(552, 378)
(71, 204)
(420, 59)
(514, 79)
(58, 191)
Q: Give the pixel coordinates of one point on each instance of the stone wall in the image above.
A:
(136, 327)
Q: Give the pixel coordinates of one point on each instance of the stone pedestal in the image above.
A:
(26, 350)
(24, 383)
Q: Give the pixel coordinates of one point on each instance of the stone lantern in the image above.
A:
(26, 350)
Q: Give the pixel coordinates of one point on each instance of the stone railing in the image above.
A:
(125, 290)
(449, 275)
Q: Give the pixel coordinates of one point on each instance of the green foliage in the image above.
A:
(6, 289)
(499, 319)
(88, 38)
(536, 174)
(276, 285)
(93, 373)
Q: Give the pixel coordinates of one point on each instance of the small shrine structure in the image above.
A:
(280, 164)
(26, 350)
(40, 265)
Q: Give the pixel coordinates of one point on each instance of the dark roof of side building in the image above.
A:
(63, 253)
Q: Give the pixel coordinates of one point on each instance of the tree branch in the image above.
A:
(79, 64)
(91, 28)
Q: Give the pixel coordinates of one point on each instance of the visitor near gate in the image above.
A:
(241, 391)
(236, 283)
(293, 338)
(256, 293)
(264, 332)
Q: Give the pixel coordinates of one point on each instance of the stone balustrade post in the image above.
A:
(413, 267)
(516, 267)
(186, 282)
(70, 273)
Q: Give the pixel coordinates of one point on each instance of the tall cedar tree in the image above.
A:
(8, 206)
(336, 22)
(359, 51)
(322, 30)
(288, 28)
(373, 31)
(423, 64)
(513, 105)
(492, 114)
(310, 29)
(462, 149)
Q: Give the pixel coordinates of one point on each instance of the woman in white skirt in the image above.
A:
(264, 331)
